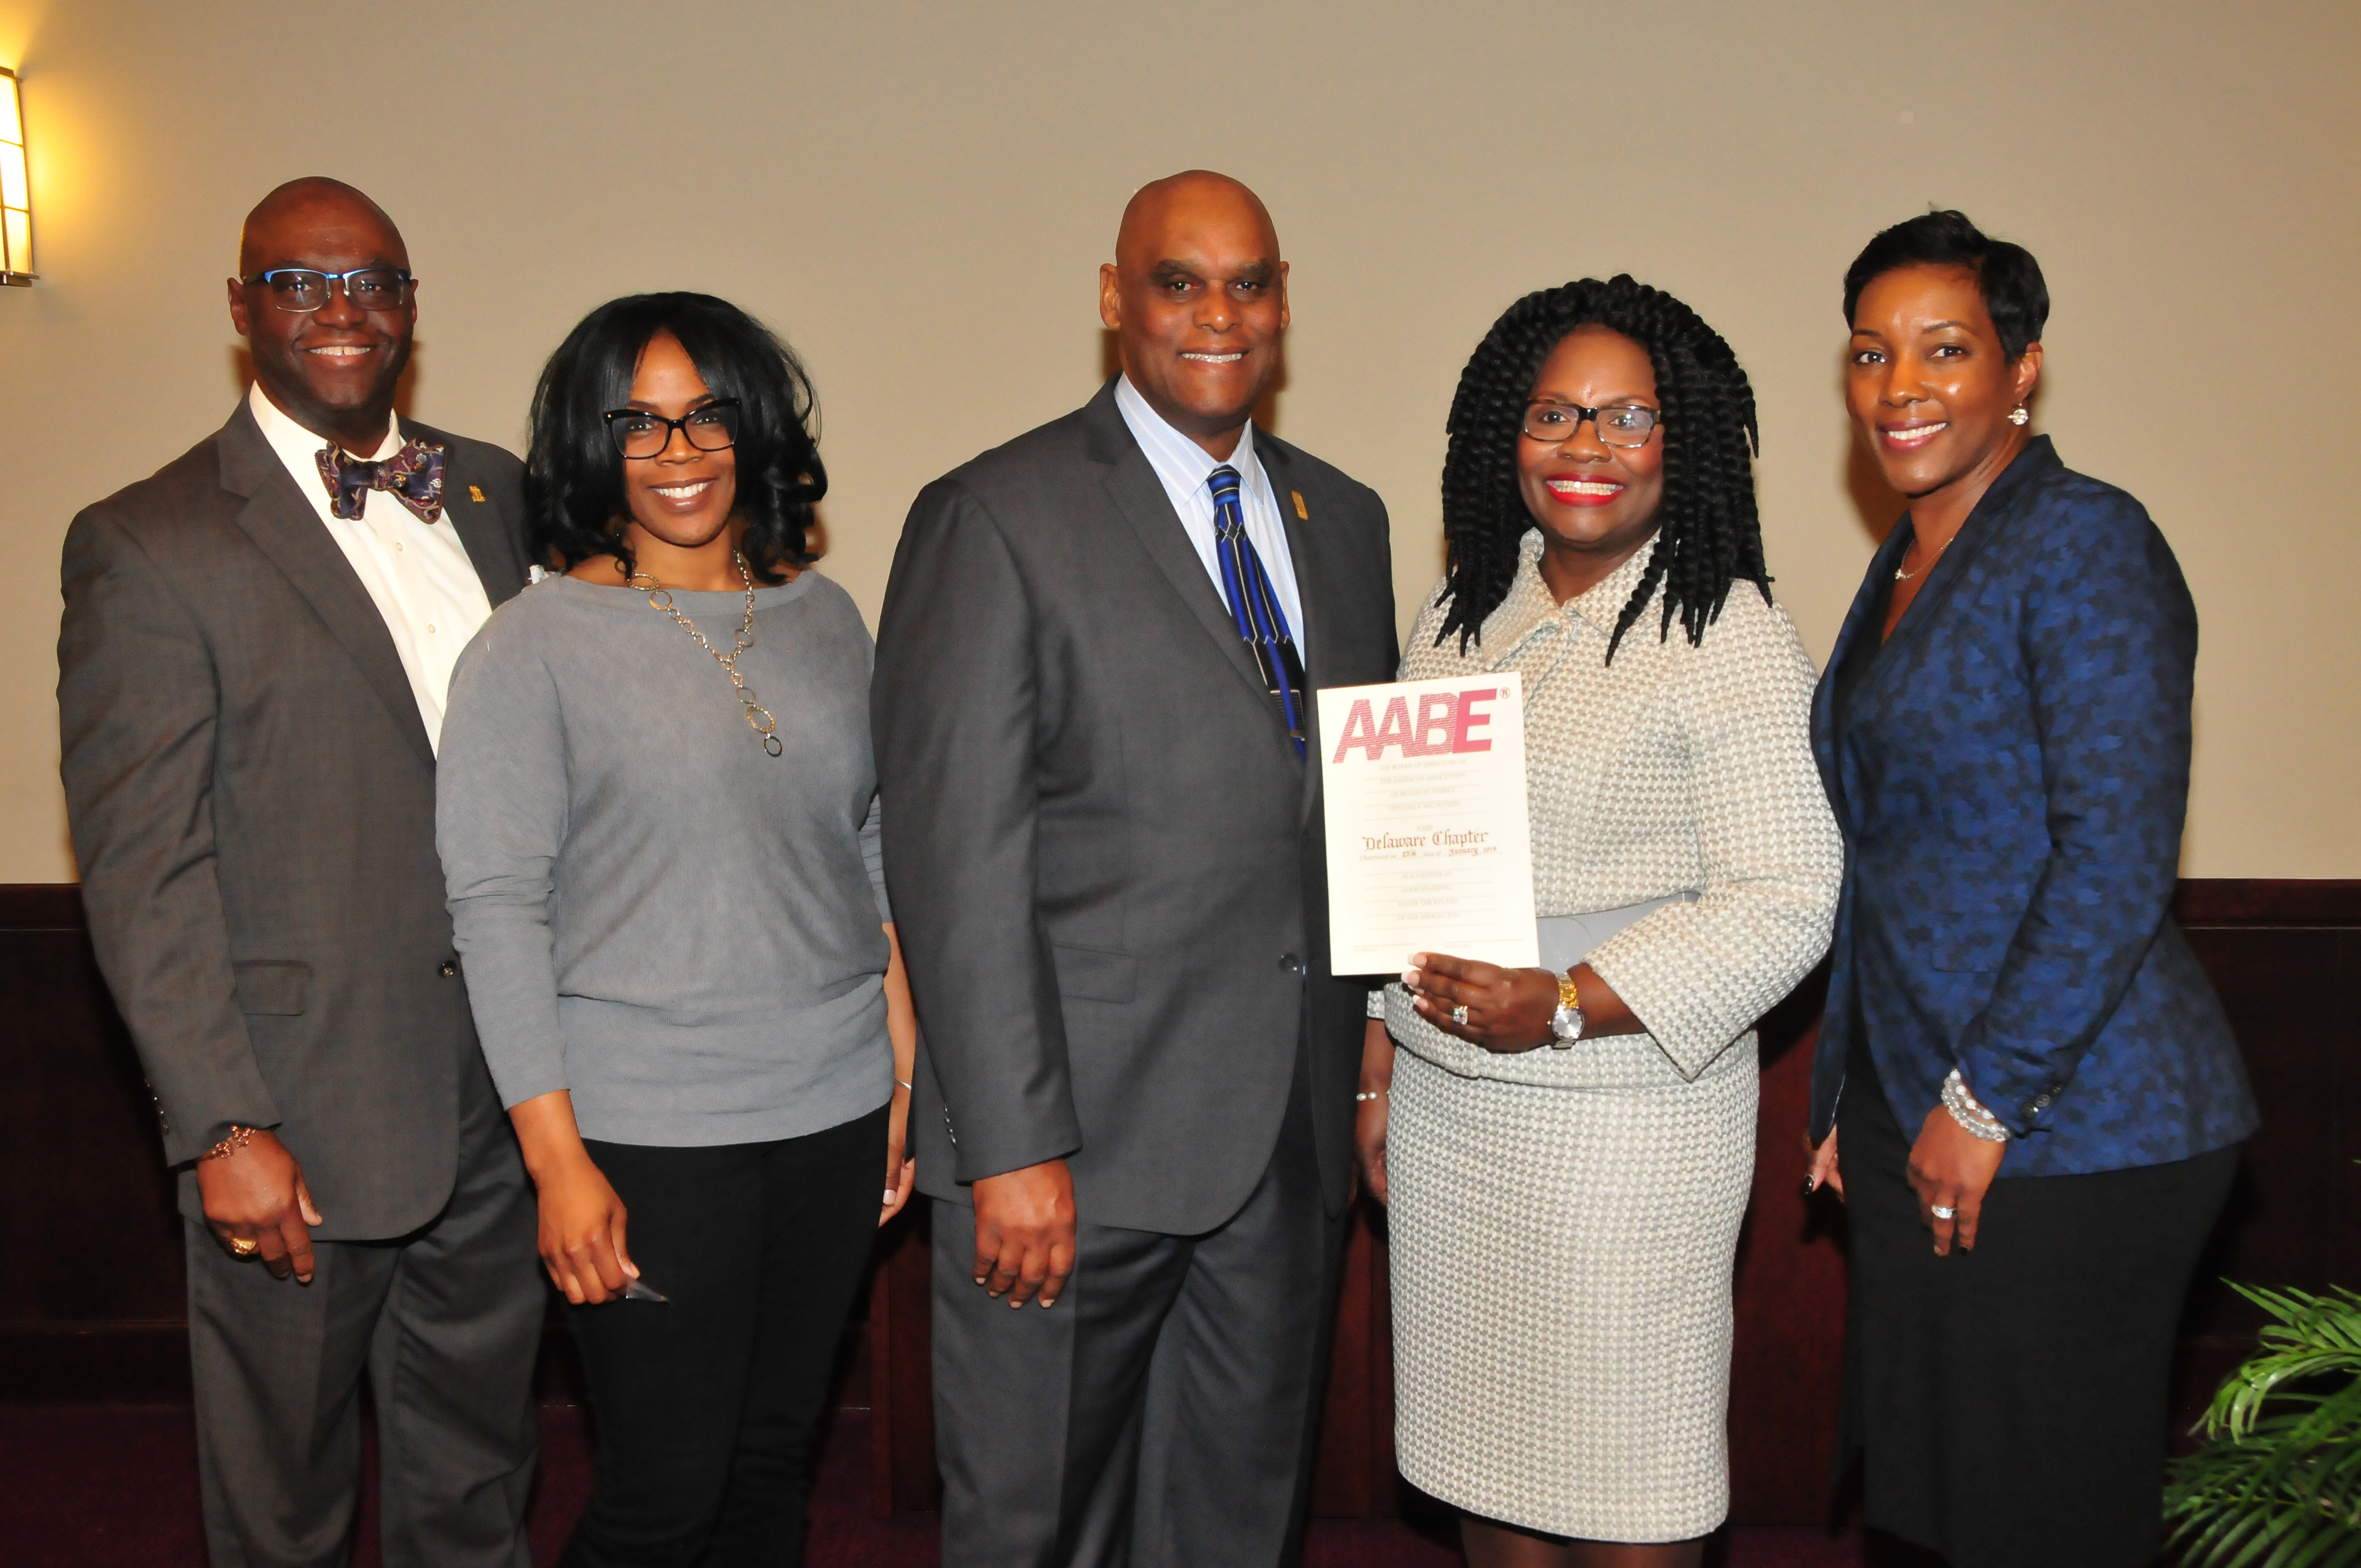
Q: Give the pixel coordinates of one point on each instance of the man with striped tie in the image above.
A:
(1134, 1101)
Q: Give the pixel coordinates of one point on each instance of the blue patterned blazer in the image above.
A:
(2011, 774)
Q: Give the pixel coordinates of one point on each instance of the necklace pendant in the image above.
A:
(661, 599)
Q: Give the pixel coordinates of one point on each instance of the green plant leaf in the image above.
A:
(2278, 1483)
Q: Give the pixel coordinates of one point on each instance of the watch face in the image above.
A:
(1566, 1024)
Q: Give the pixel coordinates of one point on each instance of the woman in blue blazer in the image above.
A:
(2037, 1094)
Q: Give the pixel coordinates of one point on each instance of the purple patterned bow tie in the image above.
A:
(413, 476)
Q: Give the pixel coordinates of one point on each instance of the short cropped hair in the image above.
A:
(574, 475)
(2015, 296)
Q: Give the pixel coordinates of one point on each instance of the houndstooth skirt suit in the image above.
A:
(1565, 1223)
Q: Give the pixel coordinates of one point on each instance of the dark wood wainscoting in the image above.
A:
(92, 1296)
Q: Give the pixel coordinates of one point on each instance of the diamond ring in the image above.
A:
(1459, 1015)
(1942, 1213)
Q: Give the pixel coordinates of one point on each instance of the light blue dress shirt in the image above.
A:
(1184, 467)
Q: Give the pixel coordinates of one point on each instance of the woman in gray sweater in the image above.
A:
(657, 814)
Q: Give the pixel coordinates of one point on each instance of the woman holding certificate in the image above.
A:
(1566, 1151)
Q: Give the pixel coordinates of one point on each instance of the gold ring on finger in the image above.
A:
(245, 1246)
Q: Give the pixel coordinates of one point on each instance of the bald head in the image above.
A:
(1197, 296)
(304, 206)
(1192, 199)
(330, 365)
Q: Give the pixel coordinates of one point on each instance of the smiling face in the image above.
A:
(681, 499)
(1197, 296)
(1928, 385)
(332, 371)
(1596, 503)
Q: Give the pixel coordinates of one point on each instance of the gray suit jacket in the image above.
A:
(252, 800)
(1105, 858)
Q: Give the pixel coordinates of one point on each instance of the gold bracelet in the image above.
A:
(229, 1146)
(1566, 994)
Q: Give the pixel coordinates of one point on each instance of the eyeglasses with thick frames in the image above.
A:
(637, 433)
(307, 288)
(1625, 424)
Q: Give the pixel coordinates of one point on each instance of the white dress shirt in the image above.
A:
(1184, 467)
(417, 572)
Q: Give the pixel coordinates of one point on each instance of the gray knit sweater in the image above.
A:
(654, 914)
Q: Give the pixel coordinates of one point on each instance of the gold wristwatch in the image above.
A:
(1566, 1024)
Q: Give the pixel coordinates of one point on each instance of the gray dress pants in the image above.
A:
(1163, 1413)
(447, 1320)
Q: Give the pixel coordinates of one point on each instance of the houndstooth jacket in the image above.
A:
(1673, 770)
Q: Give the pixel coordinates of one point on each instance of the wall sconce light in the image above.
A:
(15, 195)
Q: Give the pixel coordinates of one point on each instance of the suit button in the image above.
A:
(447, 968)
(1291, 963)
(2041, 1102)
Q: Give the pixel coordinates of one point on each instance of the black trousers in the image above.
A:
(447, 1320)
(707, 1403)
(2010, 1401)
(1162, 1414)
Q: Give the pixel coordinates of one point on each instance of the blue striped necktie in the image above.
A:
(1253, 605)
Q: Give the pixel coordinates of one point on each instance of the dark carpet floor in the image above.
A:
(116, 1487)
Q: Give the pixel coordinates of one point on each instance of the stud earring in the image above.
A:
(2019, 415)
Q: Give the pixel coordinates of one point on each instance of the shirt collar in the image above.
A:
(300, 449)
(1171, 449)
(1530, 608)
(1602, 603)
(2037, 457)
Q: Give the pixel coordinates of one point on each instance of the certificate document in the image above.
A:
(1428, 846)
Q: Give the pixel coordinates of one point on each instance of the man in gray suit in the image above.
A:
(1104, 841)
(251, 673)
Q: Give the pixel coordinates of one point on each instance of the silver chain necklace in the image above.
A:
(758, 718)
(1902, 577)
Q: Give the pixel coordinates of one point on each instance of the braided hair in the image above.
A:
(1708, 533)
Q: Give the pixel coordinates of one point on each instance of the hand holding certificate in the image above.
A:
(1428, 847)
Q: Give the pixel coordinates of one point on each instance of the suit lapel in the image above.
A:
(279, 519)
(1305, 550)
(1928, 606)
(1985, 524)
(490, 535)
(1138, 495)
(1859, 622)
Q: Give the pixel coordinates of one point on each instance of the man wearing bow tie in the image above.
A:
(257, 645)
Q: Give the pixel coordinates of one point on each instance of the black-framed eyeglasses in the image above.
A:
(1623, 425)
(712, 427)
(307, 288)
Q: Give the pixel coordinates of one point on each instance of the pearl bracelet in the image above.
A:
(1364, 1096)
(1969, 1113)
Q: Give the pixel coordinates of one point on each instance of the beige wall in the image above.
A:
(918, 195)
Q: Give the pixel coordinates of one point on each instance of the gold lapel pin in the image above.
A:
(1301, 513)
(475, 493)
